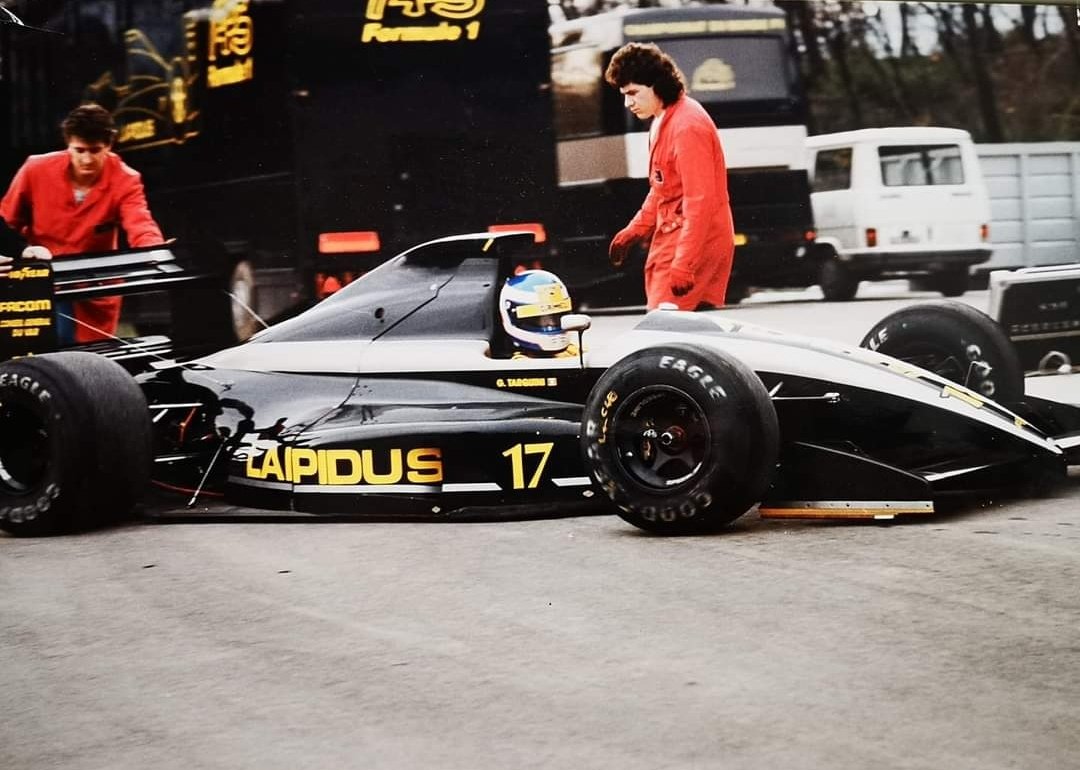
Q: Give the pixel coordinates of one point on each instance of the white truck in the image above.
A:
(898, 202)
(1034, 190)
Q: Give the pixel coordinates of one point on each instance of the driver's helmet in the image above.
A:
(532, 304)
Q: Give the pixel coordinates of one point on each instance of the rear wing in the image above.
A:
(199, 316)
(153, 268)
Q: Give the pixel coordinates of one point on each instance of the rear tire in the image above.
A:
(75, 443)
(682, 439)
(955, 341)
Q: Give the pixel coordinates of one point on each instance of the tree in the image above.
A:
(984, 84)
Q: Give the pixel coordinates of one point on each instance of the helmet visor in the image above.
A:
(549, 322)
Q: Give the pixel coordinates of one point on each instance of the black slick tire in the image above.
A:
(75, 443)
(682, 439)
(955, 341)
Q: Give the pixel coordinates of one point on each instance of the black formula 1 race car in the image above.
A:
(398, 396)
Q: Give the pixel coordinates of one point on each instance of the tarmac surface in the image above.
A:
(949, 642)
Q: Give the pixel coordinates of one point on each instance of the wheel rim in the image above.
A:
(24, 449)
(662, 438)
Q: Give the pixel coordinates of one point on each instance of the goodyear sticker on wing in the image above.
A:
(26, 311)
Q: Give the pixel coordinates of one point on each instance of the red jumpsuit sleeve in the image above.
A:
(696, 165)
(644, 222)
(15, 206)
(135, 218)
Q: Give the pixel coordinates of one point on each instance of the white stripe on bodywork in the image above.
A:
(949, 474)
(280, 486)
(479, 486)
(572, 481)
(383, 357)
(367, 489)
(338, 489)
(1067, 442)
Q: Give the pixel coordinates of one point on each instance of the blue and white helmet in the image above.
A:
(532, 305)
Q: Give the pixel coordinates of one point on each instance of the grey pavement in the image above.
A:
(949, 642)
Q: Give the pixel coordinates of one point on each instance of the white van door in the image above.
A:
(831, 195)
(930, 197)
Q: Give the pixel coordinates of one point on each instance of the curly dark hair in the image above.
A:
(91, 122)
(647, 65)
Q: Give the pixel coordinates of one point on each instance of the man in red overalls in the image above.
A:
(76, 200)
(686, 212)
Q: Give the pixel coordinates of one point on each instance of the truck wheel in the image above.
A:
(837, 282)
(75, 443)
(243, 290)
(736, 292)
(952, 283)
(682, 439)
(955, 341)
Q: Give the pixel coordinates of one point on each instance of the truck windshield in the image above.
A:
(732, 69)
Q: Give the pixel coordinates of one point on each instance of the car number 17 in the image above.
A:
(517, 454)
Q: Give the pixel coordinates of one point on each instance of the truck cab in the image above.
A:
(898, 202)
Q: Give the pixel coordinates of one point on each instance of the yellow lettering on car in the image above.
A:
(345, 467)
(425, 466)
(26, 306)
(304, 462)
(28, 272)
(951, 391)
(372, 476)
(901, 368)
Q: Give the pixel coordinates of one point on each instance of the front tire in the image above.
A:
(955, 341)
(75, 443)
(682, 439)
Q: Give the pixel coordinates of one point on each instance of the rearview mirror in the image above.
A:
(575, 322)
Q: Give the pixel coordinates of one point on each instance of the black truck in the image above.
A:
(290, 146)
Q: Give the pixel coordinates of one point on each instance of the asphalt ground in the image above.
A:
(949, 642)
(566, 643)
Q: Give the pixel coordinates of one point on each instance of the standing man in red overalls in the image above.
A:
(77, 200)
(686, 212)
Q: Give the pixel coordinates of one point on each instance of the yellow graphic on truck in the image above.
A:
(443, 17)
(231, 38)
(158, 102)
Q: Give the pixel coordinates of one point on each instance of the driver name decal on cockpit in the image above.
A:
(339, 467)
(527, 382)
